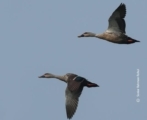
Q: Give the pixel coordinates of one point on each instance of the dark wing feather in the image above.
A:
(116, 20)
(71, 106)
(73, 92)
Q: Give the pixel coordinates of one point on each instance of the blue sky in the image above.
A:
(39, 36)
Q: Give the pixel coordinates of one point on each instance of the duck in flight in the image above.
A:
(75, 85)
(116, 29)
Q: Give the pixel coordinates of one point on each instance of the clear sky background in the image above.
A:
(39, 36)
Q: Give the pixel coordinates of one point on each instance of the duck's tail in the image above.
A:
(90, 84)
(131, 40)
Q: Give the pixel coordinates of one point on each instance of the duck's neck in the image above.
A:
(62, 78)
(92, 35)
(101, 36)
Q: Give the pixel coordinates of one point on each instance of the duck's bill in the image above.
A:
(81, 36)
(42, 76)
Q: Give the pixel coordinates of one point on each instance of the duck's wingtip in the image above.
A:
(122, 3)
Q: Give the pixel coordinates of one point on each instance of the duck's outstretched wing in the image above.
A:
(73, 92)
(116, 20)
(71, 105)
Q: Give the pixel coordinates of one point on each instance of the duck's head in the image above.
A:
(87, 34)
(46, 75)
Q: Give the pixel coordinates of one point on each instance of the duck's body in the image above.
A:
(116, 30)
(116, 37)
(75, 85)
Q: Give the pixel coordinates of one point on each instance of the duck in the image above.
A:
(75, 85)
(115, 32)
